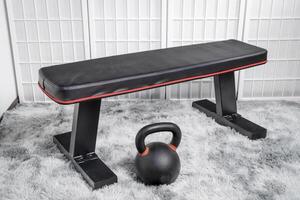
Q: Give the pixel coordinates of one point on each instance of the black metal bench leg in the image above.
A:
(225, 109)
(79, 145)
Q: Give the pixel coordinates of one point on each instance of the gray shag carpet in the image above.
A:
(217, 162)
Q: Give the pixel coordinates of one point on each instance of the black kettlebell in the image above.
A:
(157, 163)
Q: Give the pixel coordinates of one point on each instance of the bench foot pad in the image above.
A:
(93, 170)
(235, 121)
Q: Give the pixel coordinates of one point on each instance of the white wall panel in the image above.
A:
(45, 32)
(274, 25)
(7, 78)
(126, 26)
(198, 21)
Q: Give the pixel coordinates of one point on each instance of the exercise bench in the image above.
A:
(85, 83)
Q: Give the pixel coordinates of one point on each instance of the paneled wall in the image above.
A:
(7, 78)
(47, 32)
(274, 25)
(125, 26)
(198, 21)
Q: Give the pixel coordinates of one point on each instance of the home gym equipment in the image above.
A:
(85, 83)
(157, 163)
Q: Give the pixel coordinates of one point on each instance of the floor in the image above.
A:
(216, 162)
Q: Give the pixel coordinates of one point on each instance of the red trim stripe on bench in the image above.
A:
(148, 87)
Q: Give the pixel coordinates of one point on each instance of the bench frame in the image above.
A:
(224, 111)
(79, 144)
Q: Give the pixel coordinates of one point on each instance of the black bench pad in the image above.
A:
(109, 76)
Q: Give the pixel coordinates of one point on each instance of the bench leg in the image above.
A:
(225, 109)
(79, 145)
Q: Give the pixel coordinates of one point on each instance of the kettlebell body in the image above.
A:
(158, 163)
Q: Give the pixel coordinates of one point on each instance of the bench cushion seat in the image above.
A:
(108, 76)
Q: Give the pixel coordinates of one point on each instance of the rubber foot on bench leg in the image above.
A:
(93, 170)
(235, 121)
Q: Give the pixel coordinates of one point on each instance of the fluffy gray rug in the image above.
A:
(217, 162)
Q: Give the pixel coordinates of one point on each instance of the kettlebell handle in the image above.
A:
(157, 127)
